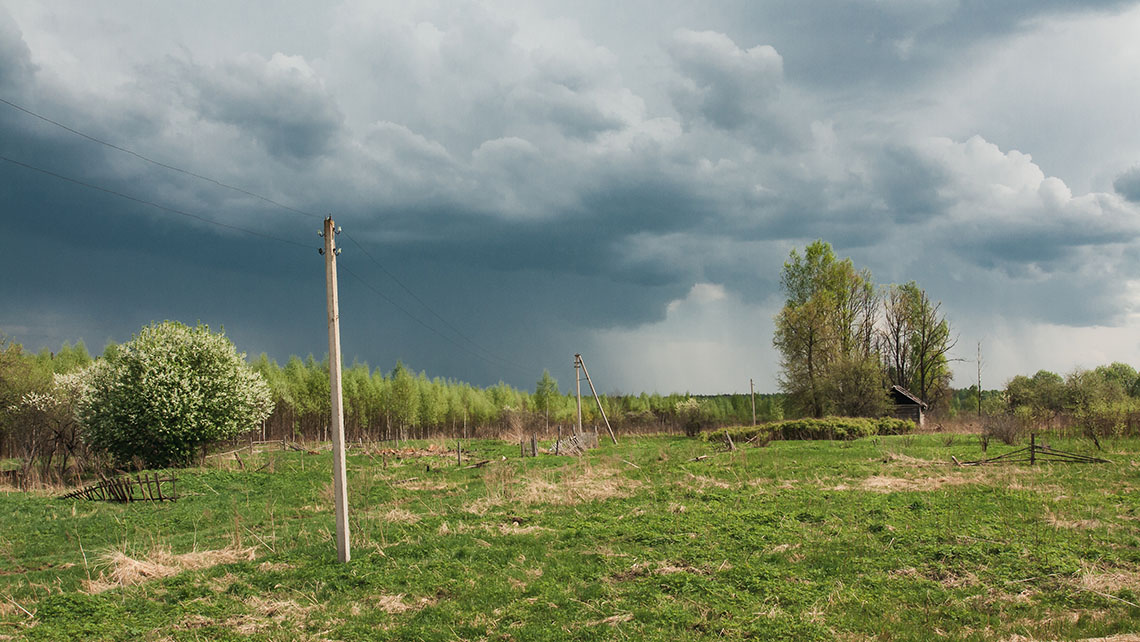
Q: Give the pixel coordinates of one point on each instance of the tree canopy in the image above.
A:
(842, 343)
(168, 391)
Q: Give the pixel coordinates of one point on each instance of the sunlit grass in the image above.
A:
(878, 538)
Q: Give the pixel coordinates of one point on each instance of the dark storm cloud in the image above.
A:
(280, 102)
(868, 46)
(1128, 184)
(911, 185)
(727, 86)
(575, 116)
(16, 66)
(539, 183)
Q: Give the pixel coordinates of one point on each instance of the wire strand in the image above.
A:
(427, 307)
(143, 201)
(214, 181)
(492, 360)
(156, 162)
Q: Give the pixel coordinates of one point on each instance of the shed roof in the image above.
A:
(899, 390)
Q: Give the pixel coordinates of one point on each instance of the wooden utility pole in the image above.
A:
(752, 394)
(979, 378)
(578, 381)
(582, 364)
(340, 485)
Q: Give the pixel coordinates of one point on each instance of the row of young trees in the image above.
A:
(843, 341)
(403, 404)
(1104, 401)
(172, 389)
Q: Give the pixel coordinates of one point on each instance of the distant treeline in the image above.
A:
(403, 404)
(378, 405)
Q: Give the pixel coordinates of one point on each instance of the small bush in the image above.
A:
(1005, 427)
(841, 428)
(167, 392)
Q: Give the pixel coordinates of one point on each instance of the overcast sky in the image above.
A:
(623, 180)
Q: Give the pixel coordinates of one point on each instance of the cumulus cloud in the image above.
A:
(635, 192)
(1127, 184)
(726, 85)
(16, 66)
(281, 102)
(1002, 204)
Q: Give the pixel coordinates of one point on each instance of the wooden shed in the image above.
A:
(908, 406)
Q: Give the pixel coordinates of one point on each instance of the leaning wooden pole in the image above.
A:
(596, 399)
(340, 485)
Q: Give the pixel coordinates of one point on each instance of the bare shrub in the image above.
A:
(1007, 428)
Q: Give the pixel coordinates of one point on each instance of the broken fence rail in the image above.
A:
(126, 489)
(1034, 453)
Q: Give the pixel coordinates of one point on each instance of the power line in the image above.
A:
(429, 308)
(266, 199)
(143, 201)
(492, 359)
(159, 163)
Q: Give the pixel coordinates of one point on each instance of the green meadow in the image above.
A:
(656, 538)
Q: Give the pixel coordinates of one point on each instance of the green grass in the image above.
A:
(876, 538)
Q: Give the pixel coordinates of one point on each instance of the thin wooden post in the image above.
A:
(752, 394)
(596, 399)
(1032, 448)
(340, 486)
(533, 445)
(458, 453)
(979, 379)
(558, 443)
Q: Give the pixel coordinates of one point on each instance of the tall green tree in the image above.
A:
(825, 334)
(403, 397)
(545, 395)
(915, 342)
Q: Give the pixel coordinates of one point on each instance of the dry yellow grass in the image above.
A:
(124, 570)
(401, 516)
(571, 484)
(394, 604)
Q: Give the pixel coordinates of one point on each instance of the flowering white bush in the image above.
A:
(168, 391)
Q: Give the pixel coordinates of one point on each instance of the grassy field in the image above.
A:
(874, 539)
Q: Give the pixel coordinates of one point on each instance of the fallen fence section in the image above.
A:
(576, 445)
(1033, 453)
(147, 488)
